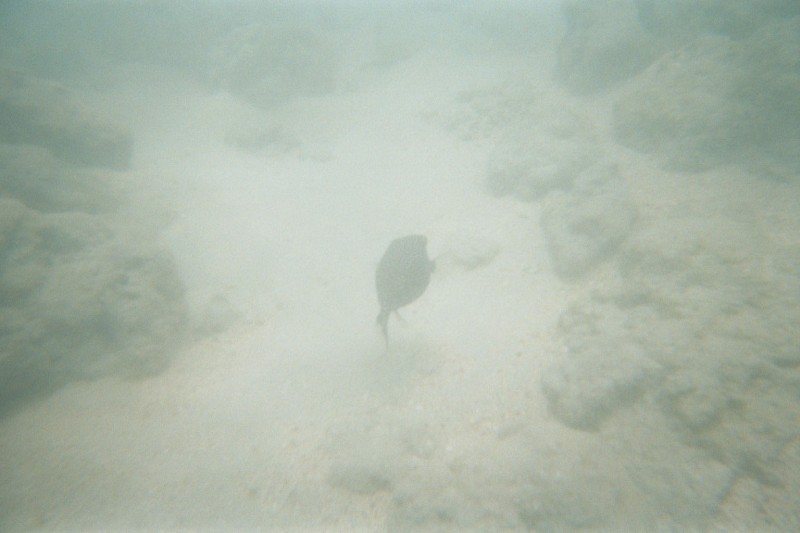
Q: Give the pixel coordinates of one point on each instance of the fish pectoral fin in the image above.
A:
(400, 317)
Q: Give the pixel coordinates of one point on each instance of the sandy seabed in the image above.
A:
(292, 417)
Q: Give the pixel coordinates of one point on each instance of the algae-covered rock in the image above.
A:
(32, 175)
(605, 43)
(47, 114)
(695, 329)
(585, 225)
(80, 300)
(268, 64)
(608, 42)
(539, 165)
(719, 101)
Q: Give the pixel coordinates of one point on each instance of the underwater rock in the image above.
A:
(586, 225)
(719, 101)
(47, 114)
(562, 482)
(32, 175)
(540, 139)
(696, 331)
(79, 300)
(604, 43)
(466, 251)
(532, 169)
(268, 64)
(593, 378)
(733, 327)
(680, 21)
(610, 41)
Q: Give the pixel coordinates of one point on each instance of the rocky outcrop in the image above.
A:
(84, 290)
(719, 101)
(607, 42)
(42, 182)
(268, 64)
(586, 224)
(79, 300)
(46, 114)
(696, 331)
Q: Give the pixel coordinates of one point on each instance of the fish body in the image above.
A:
(403, 274)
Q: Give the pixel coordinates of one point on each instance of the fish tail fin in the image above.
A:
(383, 322)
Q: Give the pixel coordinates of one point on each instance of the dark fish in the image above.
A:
(402, 276)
